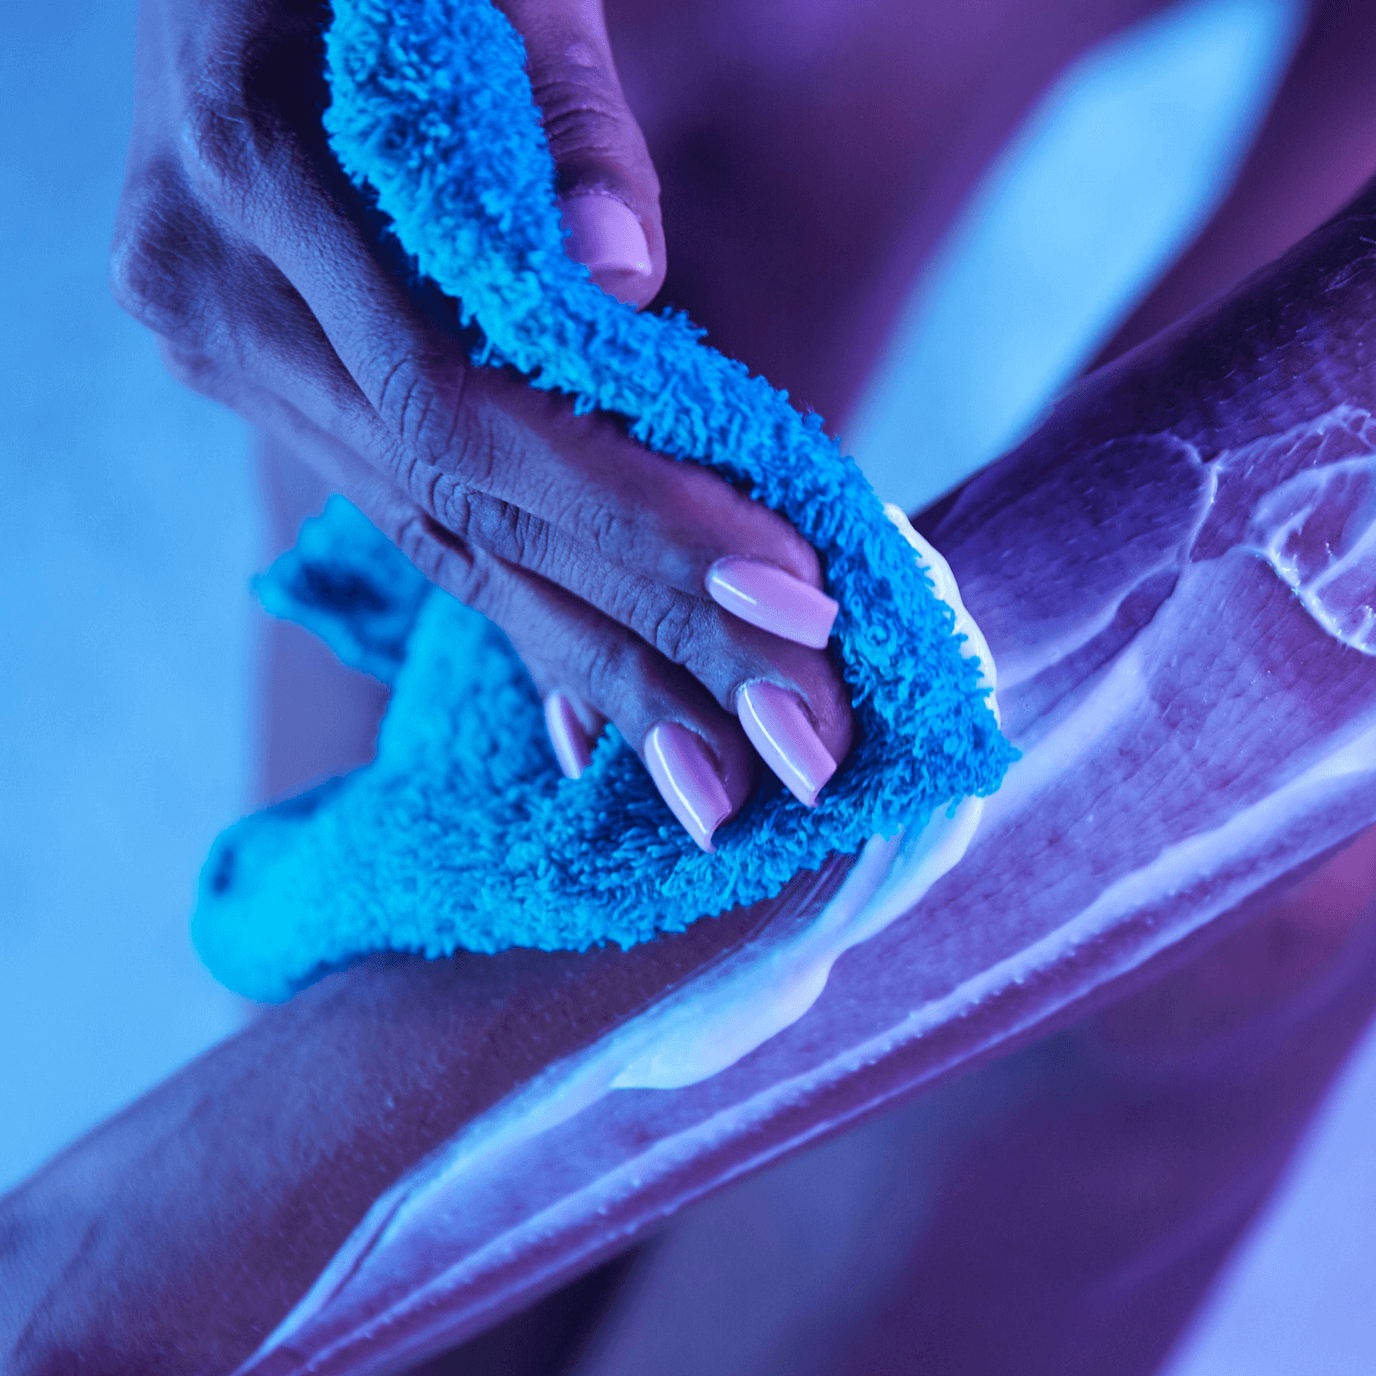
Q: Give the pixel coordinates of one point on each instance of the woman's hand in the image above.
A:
(636, 589)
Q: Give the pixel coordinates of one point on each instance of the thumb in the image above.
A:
(608, 190)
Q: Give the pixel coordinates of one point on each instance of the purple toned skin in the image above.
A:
(265, 275)
(1192, 734)
(1169, 690)
(1311, 155)
(1057, 1211)
(175, 1236)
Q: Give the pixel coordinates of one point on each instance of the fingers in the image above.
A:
(788, 694)
(693, 725)
(789, 697)
(697, 754)
(572, 727)
(728, 685)
(693, 713)
(246, 253)
(720, 651)
(503, 466)
(568, 485)
(607, 183)
(691, 688)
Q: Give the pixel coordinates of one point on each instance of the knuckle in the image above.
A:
(606, 529)
(447, 504)
(138, 282)
(442, 455)
(193, 368)
(582, 111)
(420, 406)
(614, 534)
(452, 504)
(249, 103)
(218, 151)
(671, 627)
(443, 558)
(154, 239)
(229, 141)
(491, 524)
(518, 536)
(611, 669)
(576, 119)
(527, 536)
(400, 388)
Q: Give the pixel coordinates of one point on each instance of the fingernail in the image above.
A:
(780, 730)
(773, 600)
(572, 748)
(605, 236)
(686, 777)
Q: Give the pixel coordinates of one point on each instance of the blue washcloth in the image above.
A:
(463, 833)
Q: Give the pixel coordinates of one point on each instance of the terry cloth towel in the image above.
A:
(463, 833)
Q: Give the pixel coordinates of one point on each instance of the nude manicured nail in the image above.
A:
(780, 730)
(686, 777)
(773, 600)
(605, 236)
(572, 748)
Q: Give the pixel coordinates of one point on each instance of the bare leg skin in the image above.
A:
(315, 717)
(813, 155)
(1179, 1106)
(1061, 1210)
(182, 1230)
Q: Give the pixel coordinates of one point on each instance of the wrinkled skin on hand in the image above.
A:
(273, 289)
(1173, 575)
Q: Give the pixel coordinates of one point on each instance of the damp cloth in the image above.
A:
(463, 833)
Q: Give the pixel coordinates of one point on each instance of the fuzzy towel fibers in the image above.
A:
(463, 833)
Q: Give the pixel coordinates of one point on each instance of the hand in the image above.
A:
(636, 589)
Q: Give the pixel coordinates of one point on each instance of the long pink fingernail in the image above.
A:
(686, 777)
(773, 600)
(572, 748)
(780, 730)
(605, 236)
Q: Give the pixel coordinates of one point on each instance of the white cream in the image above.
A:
(1326, 592)
(759, 992)
(705, 1030)
(720, 1016)
(730, 1009)
(944, 586)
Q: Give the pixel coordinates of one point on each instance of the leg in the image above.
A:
(1061, 1210)
(316, 718)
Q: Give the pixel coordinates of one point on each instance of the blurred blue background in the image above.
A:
(127, 538)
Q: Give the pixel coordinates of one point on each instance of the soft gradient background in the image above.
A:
(127, 538)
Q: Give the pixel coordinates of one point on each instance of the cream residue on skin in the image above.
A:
(700, 1030)
(706, 1030)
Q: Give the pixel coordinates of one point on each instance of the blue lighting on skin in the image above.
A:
(127, 538)
(1116, 169)
(126, 544)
